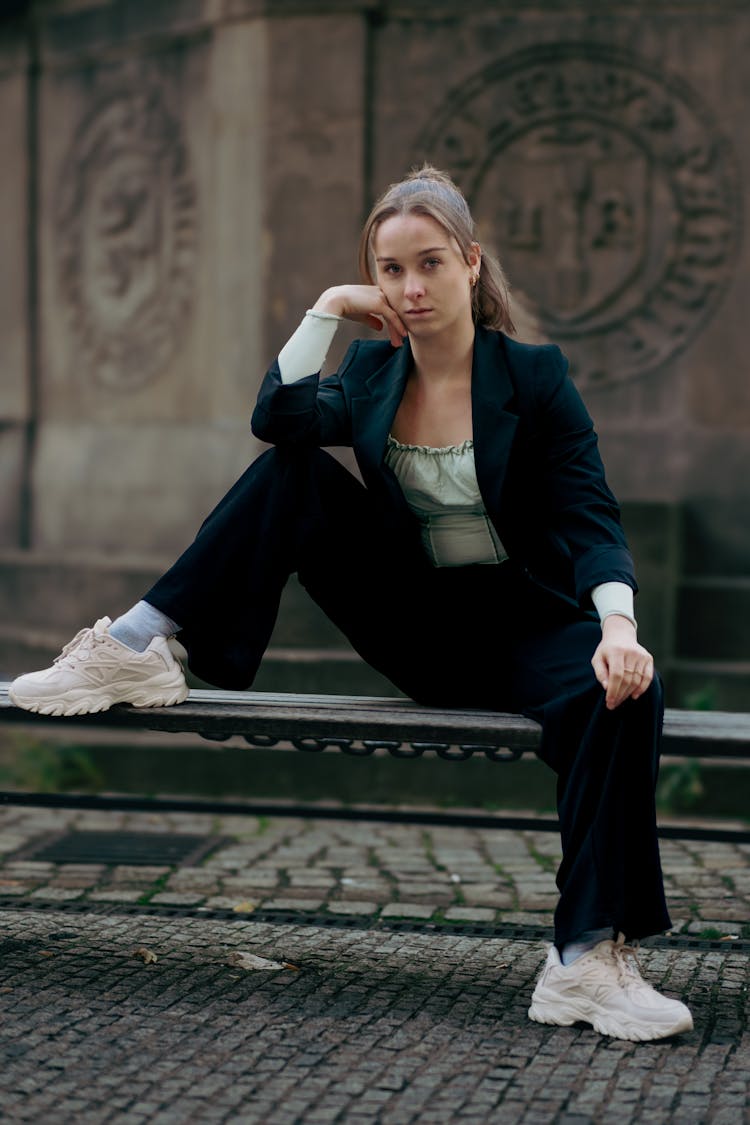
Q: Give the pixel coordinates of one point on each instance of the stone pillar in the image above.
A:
(15, 376)
(152, 186)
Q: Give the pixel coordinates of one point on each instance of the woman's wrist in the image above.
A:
(619, 623)
(329, 302)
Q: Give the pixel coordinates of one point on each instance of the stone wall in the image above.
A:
(180, 179)
(604, 148)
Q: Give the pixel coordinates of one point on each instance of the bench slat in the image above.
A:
(284, 717)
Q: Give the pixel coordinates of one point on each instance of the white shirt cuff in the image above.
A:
(614, 597)
(305, 352)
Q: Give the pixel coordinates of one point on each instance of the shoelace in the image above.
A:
(626, 960)
(78, 641)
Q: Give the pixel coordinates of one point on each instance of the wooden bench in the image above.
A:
(362, 725)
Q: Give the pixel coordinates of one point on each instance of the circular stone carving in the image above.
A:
(126, 239)
(609, 193)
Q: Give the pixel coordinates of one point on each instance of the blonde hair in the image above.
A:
(427, 191)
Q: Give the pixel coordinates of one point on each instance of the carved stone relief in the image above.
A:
(126, 221)
(609, 192)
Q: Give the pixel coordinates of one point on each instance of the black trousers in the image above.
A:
(476, 636)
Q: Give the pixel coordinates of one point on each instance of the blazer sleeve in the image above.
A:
(580, 508)
(311, 411)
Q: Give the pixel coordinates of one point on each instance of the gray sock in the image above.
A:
(138, 627)
(583, 943)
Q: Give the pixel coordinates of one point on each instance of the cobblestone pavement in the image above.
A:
(359, 869)
(368, 1026)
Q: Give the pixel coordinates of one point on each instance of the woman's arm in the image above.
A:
(584, 512)
(577, 504)
(305, 351)
(293, 404)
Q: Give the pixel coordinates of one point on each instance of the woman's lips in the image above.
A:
(417, 312)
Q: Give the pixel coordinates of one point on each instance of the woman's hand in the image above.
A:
(367, 305)
(624, 668)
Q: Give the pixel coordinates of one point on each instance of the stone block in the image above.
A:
(415, 910)
(130, 489)
(354, 908)
(315, 196)
(57, 597)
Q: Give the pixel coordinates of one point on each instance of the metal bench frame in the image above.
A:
(360, 726)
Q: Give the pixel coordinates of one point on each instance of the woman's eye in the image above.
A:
(431, 262)
(392, 269)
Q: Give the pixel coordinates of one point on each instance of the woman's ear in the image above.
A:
(475, 257)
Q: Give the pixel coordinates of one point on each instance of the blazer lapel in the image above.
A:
(494, 426)
(373, 412)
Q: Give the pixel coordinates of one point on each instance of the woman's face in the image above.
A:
(423, 273)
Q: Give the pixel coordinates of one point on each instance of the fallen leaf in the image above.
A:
(244, 908)
(239, 960)
(146, 955)
(46, 953)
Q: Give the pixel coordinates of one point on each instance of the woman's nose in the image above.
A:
(414, 286)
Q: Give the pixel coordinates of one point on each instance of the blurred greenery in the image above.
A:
(30, 764)
(680, 787)
(702, 699)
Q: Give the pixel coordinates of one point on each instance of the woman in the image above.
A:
(481, 563)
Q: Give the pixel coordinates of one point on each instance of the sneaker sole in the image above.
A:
(552, 1011)
(81, 702)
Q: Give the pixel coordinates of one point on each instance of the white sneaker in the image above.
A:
(94, 671)
(605, 988)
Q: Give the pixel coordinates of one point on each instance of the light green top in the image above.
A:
(440, 486)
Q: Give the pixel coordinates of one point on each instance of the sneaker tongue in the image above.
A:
(102, 625)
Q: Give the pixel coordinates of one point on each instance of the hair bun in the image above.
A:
(427, 171)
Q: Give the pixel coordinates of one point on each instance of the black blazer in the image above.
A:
(537, 460)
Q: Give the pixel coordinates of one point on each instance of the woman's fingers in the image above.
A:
(396, 329)
(379, 321)
(601, 670)
(645, 676)
(365, 304)
(623, 673)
